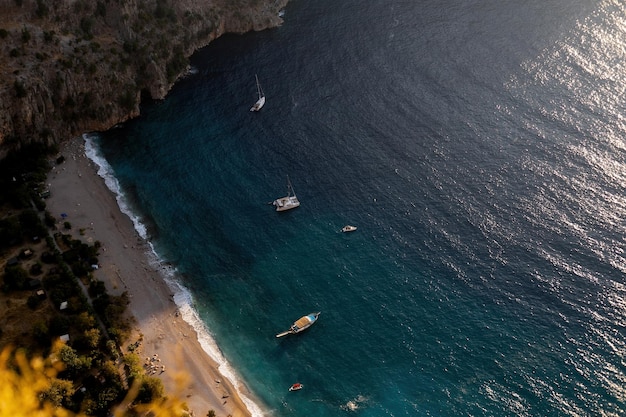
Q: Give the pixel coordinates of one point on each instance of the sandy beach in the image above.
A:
(186, 369)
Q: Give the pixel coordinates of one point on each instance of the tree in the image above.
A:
(75, 364)
(10, 231)
(41, 333)
(30, 388)
(97, 288)
(33, 302)
(20, 90)
(15, 278)
(150, 389)
(26, 381)
(92, 338)
(59, 392)
(85, 321)
(59, 325)
(133, 364)
(31, 224)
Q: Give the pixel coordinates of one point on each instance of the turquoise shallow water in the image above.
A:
(479, 149)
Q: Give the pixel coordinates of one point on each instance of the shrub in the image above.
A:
(75, 363)
(48, 258)
(10, 231)
(36, 269)
(127, 98)
(58, 325)
(91, 338)
(101, 9)
(176, 64)
(25, 35)
(34, 382)
(48, 36)
(31, 223)
(133, 366)
(58, 393)
(86, 25)
(41, 333)
(97, 288)
(49, 219)
(85, 321)
(38, 201)
(20, 90)
(42, 9)
(33, 302)
(15, 278)
(150, 389)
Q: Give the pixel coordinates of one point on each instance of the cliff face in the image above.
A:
(72, 66)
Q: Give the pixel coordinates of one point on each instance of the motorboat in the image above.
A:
(295, 387)
(301, 324)
(348, 228)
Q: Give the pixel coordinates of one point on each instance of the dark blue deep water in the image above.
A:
(478, 145)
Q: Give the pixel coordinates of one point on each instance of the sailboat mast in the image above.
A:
(290, 189)
(258, 86)
(261, 97)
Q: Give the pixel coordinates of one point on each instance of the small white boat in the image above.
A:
(301, 324)
(348, 228)
(261, 100)
(295, 387)
(289, 202)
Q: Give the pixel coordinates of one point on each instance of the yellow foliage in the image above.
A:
(21, 388)
(24, 381)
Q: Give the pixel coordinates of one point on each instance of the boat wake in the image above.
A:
(355, 403)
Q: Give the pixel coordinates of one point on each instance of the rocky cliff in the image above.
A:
(72, 66)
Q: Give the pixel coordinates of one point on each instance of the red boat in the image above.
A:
(295, 387)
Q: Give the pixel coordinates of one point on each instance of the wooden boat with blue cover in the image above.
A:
(301, 324)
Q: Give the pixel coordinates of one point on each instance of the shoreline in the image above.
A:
(128, 263)
(36, 76)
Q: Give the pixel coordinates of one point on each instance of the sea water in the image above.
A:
(479, 148)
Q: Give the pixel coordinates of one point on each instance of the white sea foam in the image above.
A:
(106, 172)
(182, 297)
(184, 301)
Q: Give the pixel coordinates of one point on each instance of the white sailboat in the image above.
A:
(289, 202)
(261, 100)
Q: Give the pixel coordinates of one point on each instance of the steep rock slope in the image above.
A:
(71, 66)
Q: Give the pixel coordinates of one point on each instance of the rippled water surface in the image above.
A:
(479, 148)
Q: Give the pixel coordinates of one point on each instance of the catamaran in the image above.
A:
(261, 100)
(301, 324)
(289, 202)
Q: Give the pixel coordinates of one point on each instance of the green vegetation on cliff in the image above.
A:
(73, 66)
